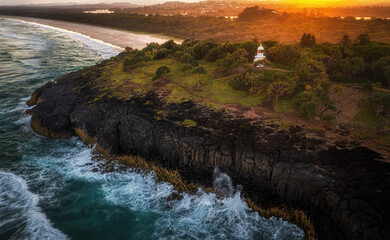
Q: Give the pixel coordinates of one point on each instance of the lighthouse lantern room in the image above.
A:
(260, 53)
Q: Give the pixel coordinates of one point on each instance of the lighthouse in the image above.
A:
(260, 53)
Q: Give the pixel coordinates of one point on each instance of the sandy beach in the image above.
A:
(114, 37)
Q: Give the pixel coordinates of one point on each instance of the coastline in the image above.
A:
(118, 39)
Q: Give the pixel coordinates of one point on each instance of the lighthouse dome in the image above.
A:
(260, 55)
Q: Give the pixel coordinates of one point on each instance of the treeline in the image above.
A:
(254, 23)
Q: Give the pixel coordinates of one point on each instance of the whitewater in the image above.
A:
(61, 189)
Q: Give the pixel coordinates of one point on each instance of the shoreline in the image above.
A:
(118, 39)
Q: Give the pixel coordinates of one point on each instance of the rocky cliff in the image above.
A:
(344, 187)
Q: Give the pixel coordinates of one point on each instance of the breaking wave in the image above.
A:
(20, 215)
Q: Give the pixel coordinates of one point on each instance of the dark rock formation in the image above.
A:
(344, 189)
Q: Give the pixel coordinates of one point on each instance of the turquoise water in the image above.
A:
(57, 189)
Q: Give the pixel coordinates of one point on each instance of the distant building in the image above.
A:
(99, 11)
(260, 53)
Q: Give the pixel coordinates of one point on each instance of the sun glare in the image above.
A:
(313, 2)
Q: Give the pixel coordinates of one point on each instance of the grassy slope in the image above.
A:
(179, 86)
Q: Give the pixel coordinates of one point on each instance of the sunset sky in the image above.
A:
(148, 2)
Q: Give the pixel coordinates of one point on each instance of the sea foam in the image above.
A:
(19, 211)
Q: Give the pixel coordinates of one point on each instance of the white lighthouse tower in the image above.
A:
(260, 53)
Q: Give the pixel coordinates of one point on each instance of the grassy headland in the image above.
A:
(328, 88)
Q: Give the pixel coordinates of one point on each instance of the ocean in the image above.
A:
(59, 189)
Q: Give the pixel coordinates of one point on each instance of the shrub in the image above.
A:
(186, 68)
(186, 58)
(168, 45)
(129, 64)
(308, 40)
(380, 103)
(161, 72)
(151, 47)
(199, 70)
(278, 89)
(178, 55)
(305, 104)
(161, 53)
(328, 117)
(231, 62)
(286, 54)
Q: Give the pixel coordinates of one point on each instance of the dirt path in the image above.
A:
(275, 69)
(270, 68)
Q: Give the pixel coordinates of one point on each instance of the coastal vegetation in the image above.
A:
(306, 80)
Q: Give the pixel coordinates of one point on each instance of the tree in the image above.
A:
(278, 89)
(308, 40)
(305, 104)
(202, 48)
(161, 72)
(381, 70)
(250, 48)
(286, 54)
(169, 44)
(151, 47)
(186, 58)
(199, 70)
(324, 104)
(349, 68)
(346, 41)
(380, 102)
(269, 43)
(231, 62)
(129, 64)
(186, 68)
(363, 39)
(161, 53)
(310, 104)
(310, 69)
(178, 55)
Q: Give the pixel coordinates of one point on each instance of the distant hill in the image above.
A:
(74, 5)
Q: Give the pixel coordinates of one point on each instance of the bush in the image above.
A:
(328, 117)
(178, 55)
(161, 72)
(285, 54)
(380, 103)
(129, 64)
(186, 58)
(161, 53)
(231, 62)
(186, 68)
(168, 45)
(201, 49)
(278, 89)
(151, 47)
(308, 40)
(305, 104)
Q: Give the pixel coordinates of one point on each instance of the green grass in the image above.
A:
(385, 140)
(367, 118)
(283, 105)
(189, 123)
(180, 86)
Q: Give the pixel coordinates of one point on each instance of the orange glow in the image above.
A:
(329, 2)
